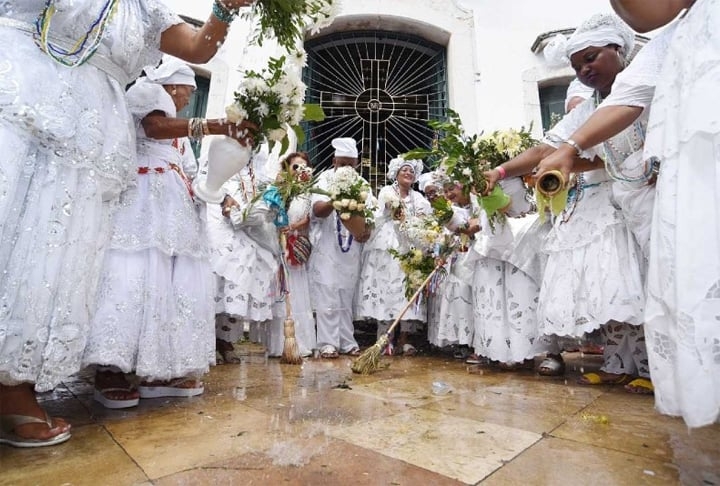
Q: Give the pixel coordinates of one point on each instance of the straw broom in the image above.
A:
(291, 352)
(368, 362)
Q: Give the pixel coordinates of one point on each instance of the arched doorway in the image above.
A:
(378, 87)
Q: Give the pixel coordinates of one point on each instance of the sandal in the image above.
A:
(8, 424)
(354, 352)
(597, 379)
(551, 366)
(640, 386)
(179, 387)
(474, 359)
(328, 352)
(112, 390)
(409, 349)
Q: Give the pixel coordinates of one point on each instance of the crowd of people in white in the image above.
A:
(148, 285)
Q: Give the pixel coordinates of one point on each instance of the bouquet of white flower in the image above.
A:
(349, 194)
(273, 99)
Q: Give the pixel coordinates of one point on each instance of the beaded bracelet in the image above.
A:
(222, 13)
(195, 129)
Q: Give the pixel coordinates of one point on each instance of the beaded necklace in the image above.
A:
(634, 139)
(84, 47)
(344, 242)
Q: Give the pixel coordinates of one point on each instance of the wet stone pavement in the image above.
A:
(265, 423)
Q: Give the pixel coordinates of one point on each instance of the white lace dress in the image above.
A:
(68, 151)
(683, 310)
(593, 269)
(155, 314)
(455, 314)
(381, 291)
(508, 267)
(244, 256)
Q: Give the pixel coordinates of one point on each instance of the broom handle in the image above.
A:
(410, 302)
(283, 244)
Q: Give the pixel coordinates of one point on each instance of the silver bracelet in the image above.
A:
(575, 145)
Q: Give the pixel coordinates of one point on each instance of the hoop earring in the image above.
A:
(173, 92)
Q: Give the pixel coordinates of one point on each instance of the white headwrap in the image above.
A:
(599, 30)
(398, 163)
(435, 178)
(171, 71)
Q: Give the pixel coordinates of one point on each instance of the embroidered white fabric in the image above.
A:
(155, 314)
(683, 307)
(68, 144)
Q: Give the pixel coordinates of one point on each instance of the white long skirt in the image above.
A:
(683, 312)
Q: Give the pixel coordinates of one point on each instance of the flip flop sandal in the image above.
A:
(328, 352)
(640, 386)
(596, 379)
(354, 352)
(100, 396)
(551, 367)
(8, 423)
(528, 364)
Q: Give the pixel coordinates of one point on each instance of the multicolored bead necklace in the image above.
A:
(85, 47)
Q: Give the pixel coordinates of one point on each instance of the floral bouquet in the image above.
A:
(287, 20)
(428, 242)
(349, 194)
(394, 204)
(442, 210)
(273, 99)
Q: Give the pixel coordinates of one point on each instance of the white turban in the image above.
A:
(599, 30)
(345, 147)
(171, 71)
(398, 163)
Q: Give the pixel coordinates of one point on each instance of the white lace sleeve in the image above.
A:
(635, 86)
(158, 18)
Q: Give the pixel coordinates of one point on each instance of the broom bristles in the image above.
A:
(291, 351)
(369, 361)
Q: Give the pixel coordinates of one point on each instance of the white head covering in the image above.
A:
(345, 147)
(171, 71)
(398, 163)
(599, 30)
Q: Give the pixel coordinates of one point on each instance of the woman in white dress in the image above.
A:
(297, 276)
(381, 292)
(508, 268)
(683, 308)
(455, 323)
(154, 315)
(68, 151)
(245, 256)
(593, 276)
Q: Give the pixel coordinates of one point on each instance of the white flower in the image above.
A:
(235, 114)
(345, 216)
(353, 205)
(337, 205)
(467, 172)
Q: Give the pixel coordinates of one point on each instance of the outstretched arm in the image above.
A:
(604, 123)
(199, 46)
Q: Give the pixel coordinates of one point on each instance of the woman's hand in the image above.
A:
(563, 159)
(227, 204)
(491, 177)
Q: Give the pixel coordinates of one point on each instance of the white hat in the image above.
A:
(171, 71)
(345, 147)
